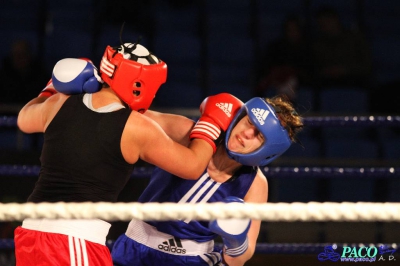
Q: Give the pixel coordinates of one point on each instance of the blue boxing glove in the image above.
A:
(75, 76)
(232, 231)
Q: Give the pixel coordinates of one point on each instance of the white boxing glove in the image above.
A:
(232, 231)
(76, 76)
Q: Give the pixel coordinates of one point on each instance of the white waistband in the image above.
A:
(149, 236)
(90, 230)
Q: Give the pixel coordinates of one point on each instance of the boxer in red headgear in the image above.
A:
(93, 136)
(134, 74)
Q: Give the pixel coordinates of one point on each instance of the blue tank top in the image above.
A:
(165, 187)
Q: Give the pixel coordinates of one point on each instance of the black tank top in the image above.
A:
(81, 158)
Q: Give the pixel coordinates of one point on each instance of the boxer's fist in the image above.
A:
(75, 76)
(48, 90)
(217, 112)
(232, 231)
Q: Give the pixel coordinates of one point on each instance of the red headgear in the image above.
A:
(134, 74)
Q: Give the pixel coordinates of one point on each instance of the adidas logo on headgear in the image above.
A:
(226, 107)
(260, 114)
(172, 245)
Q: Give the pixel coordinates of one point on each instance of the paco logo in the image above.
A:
(357, 254)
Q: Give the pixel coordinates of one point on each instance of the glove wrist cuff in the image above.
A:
(47, 92)
(237, 251)
(209, 141)
(207, 128)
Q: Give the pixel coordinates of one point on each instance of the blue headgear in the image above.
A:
(276, 138)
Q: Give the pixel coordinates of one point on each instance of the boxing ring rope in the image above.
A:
(314, 121)
(280, 172)
(272, 212)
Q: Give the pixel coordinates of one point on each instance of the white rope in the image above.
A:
(289, 212)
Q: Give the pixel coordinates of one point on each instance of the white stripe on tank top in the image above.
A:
(208, 182)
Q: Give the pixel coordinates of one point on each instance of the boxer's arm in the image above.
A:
(258, 193)
(36, 115)
(70, 76)
(177, 127)
(145, 139)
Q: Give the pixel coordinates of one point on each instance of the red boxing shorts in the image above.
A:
(34, 246)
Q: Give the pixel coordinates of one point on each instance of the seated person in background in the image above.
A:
(341, 57)
(262, 130)
(286, 62)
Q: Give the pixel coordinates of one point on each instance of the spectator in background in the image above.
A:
(341, 56)
(286, 62)
(20, 72)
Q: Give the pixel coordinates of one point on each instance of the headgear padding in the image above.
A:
(134, 74)
(276, 138)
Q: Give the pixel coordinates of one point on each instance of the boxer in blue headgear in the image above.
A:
(264, 117)
(263, 130)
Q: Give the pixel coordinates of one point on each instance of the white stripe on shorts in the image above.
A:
(77, 251)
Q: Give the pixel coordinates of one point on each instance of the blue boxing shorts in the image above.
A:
(143, 245)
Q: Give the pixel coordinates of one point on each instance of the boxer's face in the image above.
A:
(245, 137)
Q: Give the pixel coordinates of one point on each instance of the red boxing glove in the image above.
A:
(48, 90)
(86, 59)
(217, 112)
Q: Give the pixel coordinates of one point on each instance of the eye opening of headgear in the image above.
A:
(136, 92)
